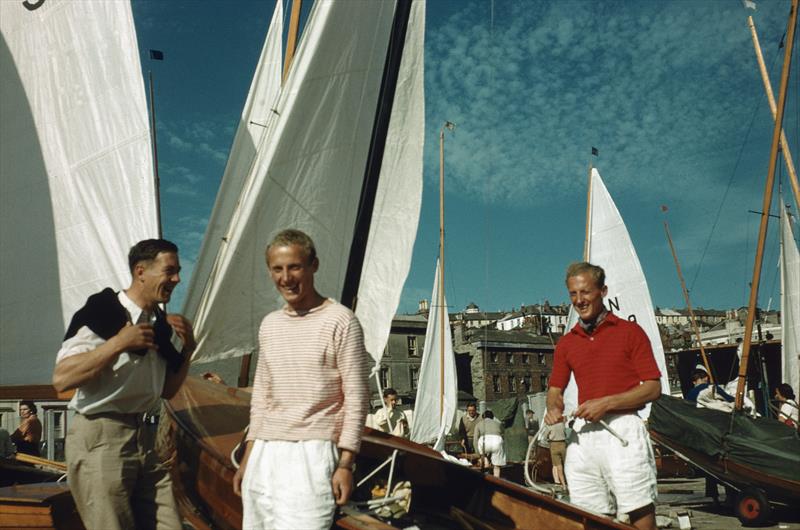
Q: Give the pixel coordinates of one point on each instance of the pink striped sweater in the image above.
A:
(311, 377)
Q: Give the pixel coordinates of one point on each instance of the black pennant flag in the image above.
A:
(157, 55)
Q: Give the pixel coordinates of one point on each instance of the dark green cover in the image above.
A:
(762, 443)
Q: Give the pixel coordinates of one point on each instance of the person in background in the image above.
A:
(488, 439)
(6, 446)
(531, 425)
(29, 433)
(119, 357)
(466, 428)
(310, 398)
(557, 437)
(397, 423)
(700, 380)
(789, 412)
(616, 375)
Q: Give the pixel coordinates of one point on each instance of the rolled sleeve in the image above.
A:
(84, 340)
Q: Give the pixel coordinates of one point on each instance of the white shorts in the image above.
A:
(287, 485)
(605, 477)
(492, 446)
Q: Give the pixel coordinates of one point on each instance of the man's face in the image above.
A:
(391, 400)
(472, 412)
(24, 411)
(586, 297)
(293, 275)
(159, 277)
(701, 381)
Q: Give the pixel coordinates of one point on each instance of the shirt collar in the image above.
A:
(607, 317)
(134, 310)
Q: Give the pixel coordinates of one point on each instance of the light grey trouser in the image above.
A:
(115, 476)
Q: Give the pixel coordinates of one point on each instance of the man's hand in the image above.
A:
(554, 416)
(342, 484)
(237, 480)
(132, 338)
(183, 328)
(555, 406)
(593, 409)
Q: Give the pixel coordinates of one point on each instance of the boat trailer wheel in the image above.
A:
(752, 507)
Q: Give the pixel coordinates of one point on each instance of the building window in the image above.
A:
(526, 383)
(412, 346)
(543, 379)
(510, 358)
(542, 359)
(526, 358)
(512, 383)
(385, 379)
(496, 384)
(495, 357)
(414, 377)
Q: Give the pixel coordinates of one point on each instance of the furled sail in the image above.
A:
(628, 297)
(790, 304)
(255, 125)
(310, 172)
(437, 392)
(76, 186)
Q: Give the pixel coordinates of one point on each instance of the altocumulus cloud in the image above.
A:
(665, 90)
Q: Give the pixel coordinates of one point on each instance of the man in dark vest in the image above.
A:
(119, 356)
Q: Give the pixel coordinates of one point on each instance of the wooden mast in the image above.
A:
(787, 155)
(291, 39)
(692, 317)
(762, 233)
(442, 308)
(588, 213)
(291, 46)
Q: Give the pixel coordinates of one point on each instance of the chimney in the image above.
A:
(423, 306)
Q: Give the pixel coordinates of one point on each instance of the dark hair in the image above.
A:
(473, 404)
(148, 249)
(698, 374)
(582, 267)
(389, 391)
(30, 406)
(488, 414)
(786, 390)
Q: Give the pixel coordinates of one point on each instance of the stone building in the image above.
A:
(402, 357)
(494, 364)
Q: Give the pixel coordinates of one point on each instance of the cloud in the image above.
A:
(200, 138)
(665, 91)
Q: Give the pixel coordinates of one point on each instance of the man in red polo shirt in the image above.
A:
(616, 374)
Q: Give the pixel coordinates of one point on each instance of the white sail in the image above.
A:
(309, 174)
(435, 406)
(628, 297)
(76, 185)
(255, 125)
(790, 304)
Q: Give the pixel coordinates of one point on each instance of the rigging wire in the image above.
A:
(728, 187)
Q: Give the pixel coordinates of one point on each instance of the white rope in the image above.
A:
(236, 448)
(528, 480)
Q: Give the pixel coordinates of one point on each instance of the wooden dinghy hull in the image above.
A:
(204, 424)
(42, 505)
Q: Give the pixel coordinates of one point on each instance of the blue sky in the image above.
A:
(669, 92)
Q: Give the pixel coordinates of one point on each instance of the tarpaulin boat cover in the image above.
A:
(761, 443)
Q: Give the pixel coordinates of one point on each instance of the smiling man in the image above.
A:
(118, 356)
(616, 375)
(309, 402)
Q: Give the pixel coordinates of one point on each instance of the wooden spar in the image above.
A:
(156, 179)
(787, 155)
(291, 39)
(588, 214)
(762, 232)
(689, 306)
(441, 270)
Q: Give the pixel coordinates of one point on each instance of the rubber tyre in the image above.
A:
(752, 507)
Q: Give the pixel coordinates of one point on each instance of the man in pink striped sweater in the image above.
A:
(310, 400)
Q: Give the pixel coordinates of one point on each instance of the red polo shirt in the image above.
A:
(616, 357)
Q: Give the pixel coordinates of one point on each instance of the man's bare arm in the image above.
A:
(79, 369)
(555, 405)
(635, 398)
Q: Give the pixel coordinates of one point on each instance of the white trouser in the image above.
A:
(287, 485)
(492, 446)
(604, 476)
